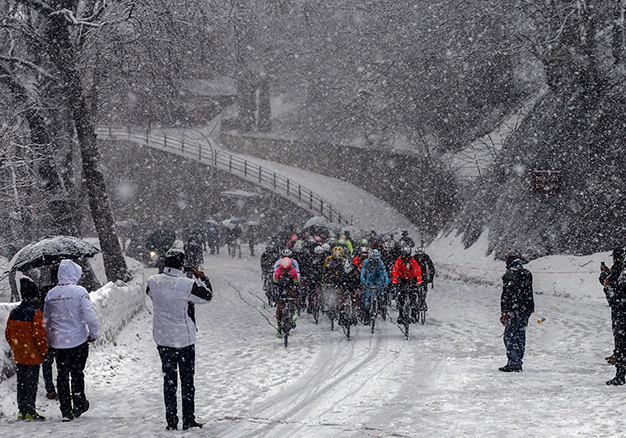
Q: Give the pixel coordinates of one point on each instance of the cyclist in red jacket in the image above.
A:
(406, 275)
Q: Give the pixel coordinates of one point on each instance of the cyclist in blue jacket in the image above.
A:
(373, 276)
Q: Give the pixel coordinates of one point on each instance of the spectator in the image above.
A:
(615, 291)
(26, 335)
(516, 304)
(175, 333)
(71, 324)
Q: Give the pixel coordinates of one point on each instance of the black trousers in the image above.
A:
(46, 368)
(70, 371)
(174, 362)
(27, 380)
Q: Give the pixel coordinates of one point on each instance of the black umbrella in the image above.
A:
(49, 251)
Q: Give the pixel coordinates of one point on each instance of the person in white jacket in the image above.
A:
(71, 324)
(174, 332)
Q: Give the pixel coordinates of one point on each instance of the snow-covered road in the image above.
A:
(442, 382)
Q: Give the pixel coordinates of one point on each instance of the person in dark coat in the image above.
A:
(26, 335)
(615, 291)
(517, 304)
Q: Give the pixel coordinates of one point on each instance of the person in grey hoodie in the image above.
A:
(71, 324)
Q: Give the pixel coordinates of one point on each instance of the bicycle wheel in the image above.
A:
(285, 325)
(374, 309)
(407, 316)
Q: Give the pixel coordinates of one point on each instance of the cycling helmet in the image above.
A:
(286, 252)
(318, 239)
(294, 237)
(419, 251)
(319, 250)
(387, 246)
(341, 242)
(365, 242)
(406, 250)
(326, 247)
(342, 237)
(375, 254)
(365, 251)
(285, 263)
(332, 241)
(337, 252)
(348, 266)
(298, 247)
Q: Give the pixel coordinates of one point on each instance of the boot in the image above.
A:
(620, 375)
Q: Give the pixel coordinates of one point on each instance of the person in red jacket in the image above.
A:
(285, 285)
(26, 335)
(406, 275)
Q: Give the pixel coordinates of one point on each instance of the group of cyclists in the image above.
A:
(351, 281)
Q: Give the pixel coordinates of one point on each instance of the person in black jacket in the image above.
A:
(516, 304)
(615, 291)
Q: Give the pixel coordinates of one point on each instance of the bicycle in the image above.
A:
(286, 321)
(268, 283)
(346, 316)
(329, 297)
(422, 308)
(378, 305)
(406, 307)
(315, 302)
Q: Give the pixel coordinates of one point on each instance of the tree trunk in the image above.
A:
(63, 56)
(265, 110)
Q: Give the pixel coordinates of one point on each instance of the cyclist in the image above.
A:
(351, 290)
(428, 273)
(373, 275)
(359, 259)
(407, 276)
(268, 257)
(285, 286)
(287, 253)
(315, 276)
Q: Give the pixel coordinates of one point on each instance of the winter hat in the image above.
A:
(174, 258)
(511, 257)
(28, 288)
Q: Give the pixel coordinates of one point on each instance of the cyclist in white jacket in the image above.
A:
(174, 332)
(71, 324)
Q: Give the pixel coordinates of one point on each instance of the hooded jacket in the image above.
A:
(26, 335)
(171, 292)
(68, 313)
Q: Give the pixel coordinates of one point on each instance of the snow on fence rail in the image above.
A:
(232, 164)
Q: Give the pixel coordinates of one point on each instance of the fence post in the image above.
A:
(299, 193)
(245, 168)
(164, 141)
(230, 164)
(147, 136)
(310, 200)
(287, 187)
(260, 174)
(274, 181)
(199, 152)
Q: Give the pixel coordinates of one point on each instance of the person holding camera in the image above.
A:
(174, 332)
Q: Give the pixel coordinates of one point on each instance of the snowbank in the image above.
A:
(559, 275)
(115, 305)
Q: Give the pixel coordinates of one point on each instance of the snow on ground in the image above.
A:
(442, 382)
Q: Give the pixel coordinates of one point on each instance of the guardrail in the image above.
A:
(232, 164)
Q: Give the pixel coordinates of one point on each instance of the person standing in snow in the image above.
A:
(175, 332)
(516, 304)
(26, 335)
(615, 291)
(71, 324)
